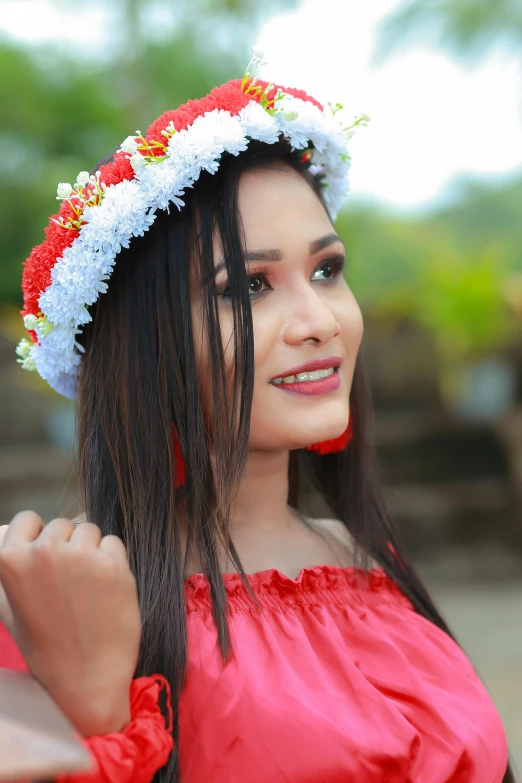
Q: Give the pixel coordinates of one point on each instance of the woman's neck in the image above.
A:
(262, 525)
(262, 500)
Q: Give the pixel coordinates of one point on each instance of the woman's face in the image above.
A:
(302, 310)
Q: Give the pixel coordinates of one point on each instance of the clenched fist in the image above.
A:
(69, 599)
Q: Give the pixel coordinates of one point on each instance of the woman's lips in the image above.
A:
(322, 386)
(326, 363)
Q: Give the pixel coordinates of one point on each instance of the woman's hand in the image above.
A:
(69, 600)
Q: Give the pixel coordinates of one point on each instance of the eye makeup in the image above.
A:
(335, 262)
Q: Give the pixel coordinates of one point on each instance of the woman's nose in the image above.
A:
(309, 316)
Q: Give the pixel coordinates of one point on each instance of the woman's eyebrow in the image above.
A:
(253, 255)
(263, 255)
(326, 241)
(275, 255)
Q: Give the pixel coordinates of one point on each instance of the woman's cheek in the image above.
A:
(351, 321)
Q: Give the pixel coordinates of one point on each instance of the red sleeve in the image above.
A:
(10, 655)
(132, 755)
(136, 753)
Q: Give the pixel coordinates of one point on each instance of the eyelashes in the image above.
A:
(263, 274)
(332, 266)
(336, 265)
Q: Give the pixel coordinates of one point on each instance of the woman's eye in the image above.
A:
(255, 285)
(329, 269)
(258, 282)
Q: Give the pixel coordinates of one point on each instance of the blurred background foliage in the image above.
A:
(63, 112)
(467, 28)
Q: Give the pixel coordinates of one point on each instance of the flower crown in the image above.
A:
(101, 213)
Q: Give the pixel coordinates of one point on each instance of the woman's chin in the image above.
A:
(322, 434)
(288, 434)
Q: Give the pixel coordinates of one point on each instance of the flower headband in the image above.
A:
(65, 275)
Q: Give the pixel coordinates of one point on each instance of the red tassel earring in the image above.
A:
(336, 444)
(180, 470)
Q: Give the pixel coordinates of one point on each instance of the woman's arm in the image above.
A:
(69, 603)
(71, 606)
(136, 753)
(38, 742)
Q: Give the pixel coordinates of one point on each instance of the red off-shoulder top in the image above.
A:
(336, 679)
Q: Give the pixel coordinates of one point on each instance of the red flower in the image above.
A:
(116, 171)
(229, 97)
(181, 118)
(270, 95)
(36, 276)
(303, 95)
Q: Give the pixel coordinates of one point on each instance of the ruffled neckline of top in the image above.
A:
(312, 585)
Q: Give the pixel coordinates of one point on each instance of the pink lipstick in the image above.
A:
(319, 376)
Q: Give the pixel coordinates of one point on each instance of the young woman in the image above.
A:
(191, 295)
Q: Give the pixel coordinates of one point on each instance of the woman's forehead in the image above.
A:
(278, 208)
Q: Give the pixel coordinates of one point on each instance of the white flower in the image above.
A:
(44, 327)
(258, 124)
(80, 275)
(315, 170)
(310, 125)
(57, 360)
(23, 348)
(164, 183)
(223, 130)
(29, 364)
(64, 190)
(137, 161)
(297, 129)
(83, 178)
(191, 150)
(199, 147)
(31, 322)
(129, 145)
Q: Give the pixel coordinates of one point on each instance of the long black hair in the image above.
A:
(138, 380)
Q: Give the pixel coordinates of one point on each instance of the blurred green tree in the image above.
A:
(63, 112)
(467, 28)
(387, 252)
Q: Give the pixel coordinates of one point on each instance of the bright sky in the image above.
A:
(432, 118)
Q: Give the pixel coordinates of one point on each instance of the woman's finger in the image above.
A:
(57, 531)
(114, 546)
(25, 526)
(6, 615)
(3, 531)
(85, 534)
